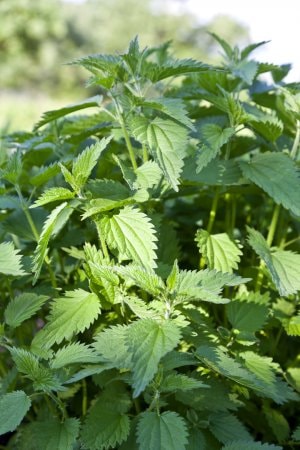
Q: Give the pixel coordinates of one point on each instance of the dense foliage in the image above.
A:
(148, 259)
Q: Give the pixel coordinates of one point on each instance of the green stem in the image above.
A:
(273, 225)
(84, 398)
(102, 243)
(128, 144)
(213, 211)
(145, 154)
(295, 147)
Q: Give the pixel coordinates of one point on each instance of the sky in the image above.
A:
(275, 21)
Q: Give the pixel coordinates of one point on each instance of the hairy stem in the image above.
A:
(128, 144)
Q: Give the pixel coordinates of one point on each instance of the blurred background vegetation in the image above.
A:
(37, 37)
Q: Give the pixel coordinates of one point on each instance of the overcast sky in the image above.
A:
(278, 21)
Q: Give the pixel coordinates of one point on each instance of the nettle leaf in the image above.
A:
(296, 434)
(166, 431)
(145, 279)
(216, 173)
(283, 265)
(147, 175)
(111, 345)
(177, 67)
(107, 424)
(50, 434)
(27, 363)
(69, 315)
(59, 215)
(49, 116)
(247, 317)
(74, 353)
(179, 382)
(108, 189)
(10, 260)
(22, 308)
(220, 252)
(205, 285)
(167, 141)
(278, 423)
(53, 195)
(101, 205)
(212, 138)
(246, 70)
(250, 445)
(87, 160)
(13, 408)
(148, 341)
(277, 175)
(292, 325)
(226, 427)
(132, 234)
(172, 107)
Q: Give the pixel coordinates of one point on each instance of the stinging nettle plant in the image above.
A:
(149, 260)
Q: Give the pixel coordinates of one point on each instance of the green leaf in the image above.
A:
(147, 175)
(132, 234)
(283, 265)
(49, 116)
(219, 251)
(216, 173)
(13, 408)
(108, 189)
(246, 70)
(212, 138)
(249, 445)
(22, 308)
(296, 434)
(145, 279)
(69, 315)
(292, 325)
(148, 341)
(86, 161)
(277, 175)
(43, 378)
(74, 353)
(59, 215)
(53, 195)
(278, 423)
(10, 260)
(177, 67)
(167, 142)
(226, 427)
(176, 381)
(246, 316)
(101, 205)
(50, 434)
(166, 431)
(107, 424)
(172, 107)
(111, 345)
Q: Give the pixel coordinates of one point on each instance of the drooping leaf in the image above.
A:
(13, 408)
(132, 234)
(178, 382)
(69, 315)
(107, 424)
(56, 114)
(212, 138)
(148, 341)
(10, 260)
(59, 214)
(74, 353)
(53, 195)
(246, 316)
(220, 252)
(167, 141)
(50, 434)
(277, 175)
(283, 265)
(278, 423)
(22, 308)
(166, 431)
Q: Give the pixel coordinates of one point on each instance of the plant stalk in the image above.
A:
(128, 144)
(295, 147)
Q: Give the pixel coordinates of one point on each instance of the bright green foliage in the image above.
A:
(220, 252)
(148, 341)
(10, 260)
(69, 315)
(166, 431)
(213, 137)
(155, 304)
(277, 175)
(13, 407)
(167, 141)
(284, 266)
(132, 234)
(22, 308)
